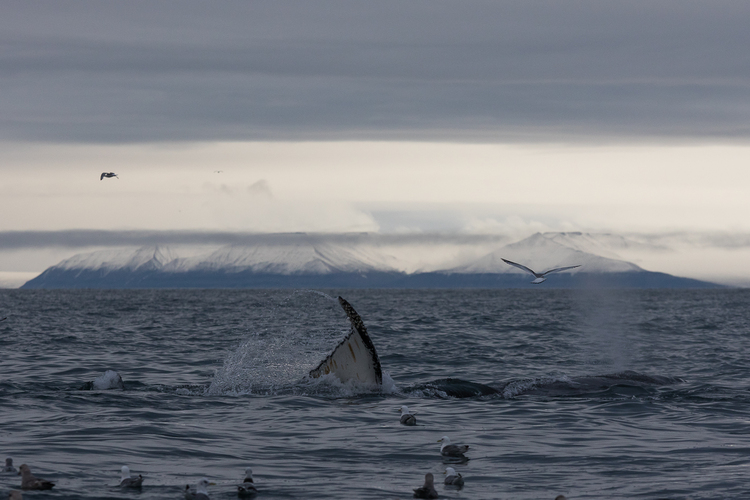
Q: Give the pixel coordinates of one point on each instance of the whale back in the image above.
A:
(355, 358)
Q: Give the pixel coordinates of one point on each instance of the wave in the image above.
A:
(625, 384)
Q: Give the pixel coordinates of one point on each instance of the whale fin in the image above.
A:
(355, 358)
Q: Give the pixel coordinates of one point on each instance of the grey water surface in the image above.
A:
(592, 394)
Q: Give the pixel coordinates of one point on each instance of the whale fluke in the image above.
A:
(355, 358)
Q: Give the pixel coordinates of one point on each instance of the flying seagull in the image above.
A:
(540, 277)
(108, 174)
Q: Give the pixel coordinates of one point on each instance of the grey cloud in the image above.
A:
(485, 70)
(11, 240)
(724, 241)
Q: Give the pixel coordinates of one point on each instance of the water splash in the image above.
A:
(267, 363)
(389, 385)
(297, 335)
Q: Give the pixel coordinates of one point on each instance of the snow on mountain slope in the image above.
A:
(294, 258)
(145, 258)
(542, 252)
(603, 244)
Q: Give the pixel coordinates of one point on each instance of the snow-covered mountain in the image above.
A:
(292, 261)
(541, 252)
(142, 259)
(301, 261)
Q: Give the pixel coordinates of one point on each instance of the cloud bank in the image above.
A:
(720, 257)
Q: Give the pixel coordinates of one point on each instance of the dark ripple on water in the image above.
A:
(638, 394)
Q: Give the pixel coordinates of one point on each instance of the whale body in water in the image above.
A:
(355, 358)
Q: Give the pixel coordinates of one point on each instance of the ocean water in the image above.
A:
(607, 394)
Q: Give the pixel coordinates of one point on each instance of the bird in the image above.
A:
(453, 478)
(560, 497)
(130, 482)
(108, 174)
(8, 467)
(200, 492)
(428, 490)
(15, 495)
(247, 488)
(452, 450)
(31, 482)
(218, 171)
(407, 418)
(540, 277)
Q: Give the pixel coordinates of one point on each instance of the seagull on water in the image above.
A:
(8, 461)
(407, 418)
(247, 488)
(31, 482)
(200, 492)
(453, 478)
(452, 450)
(108, 174)
(428, 490)
(540, 277)
(127, 481)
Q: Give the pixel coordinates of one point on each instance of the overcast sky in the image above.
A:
(134, 71)
(413, 117)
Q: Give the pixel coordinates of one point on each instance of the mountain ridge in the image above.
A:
(308, 262)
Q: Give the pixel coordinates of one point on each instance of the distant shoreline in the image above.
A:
(75, 279)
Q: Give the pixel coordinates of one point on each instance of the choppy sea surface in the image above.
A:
(606, 394)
